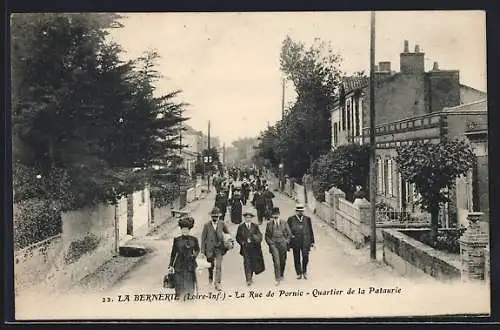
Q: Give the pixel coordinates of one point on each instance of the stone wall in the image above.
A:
(32, 264)
(412, 258)
(89, 238)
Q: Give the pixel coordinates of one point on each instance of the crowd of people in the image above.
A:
(233, 192)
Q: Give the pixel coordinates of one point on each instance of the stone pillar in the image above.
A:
(472, 247)
(364, 210)
(487, 264)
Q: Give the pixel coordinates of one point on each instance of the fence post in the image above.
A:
(472, 249)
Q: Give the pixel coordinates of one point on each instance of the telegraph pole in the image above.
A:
(373, 192)
(180, 155)
(209, 160)
(283, 100)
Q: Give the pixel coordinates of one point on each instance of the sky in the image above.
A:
(227, 64)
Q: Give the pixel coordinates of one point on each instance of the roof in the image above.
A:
(481, 105)
(352, 83)
(471, 88)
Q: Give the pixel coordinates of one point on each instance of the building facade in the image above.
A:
(399, 95)
(413, 105)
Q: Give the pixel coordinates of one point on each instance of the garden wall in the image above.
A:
(412, 258)
(32, 264)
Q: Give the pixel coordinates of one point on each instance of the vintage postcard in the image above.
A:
(243, 165)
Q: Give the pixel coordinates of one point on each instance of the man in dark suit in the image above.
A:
(249, 238)
(212, 246)
(302, 240)
(278, 237)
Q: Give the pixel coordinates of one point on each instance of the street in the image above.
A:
(342, 281)
(332, 261)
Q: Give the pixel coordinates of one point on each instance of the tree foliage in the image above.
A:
(433, 168)
(83, 118)
(344, 168)
(305, 131)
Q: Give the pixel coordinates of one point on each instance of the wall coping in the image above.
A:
(36, 245)
(423, 247)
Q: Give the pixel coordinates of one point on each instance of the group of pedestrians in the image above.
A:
(281, 236)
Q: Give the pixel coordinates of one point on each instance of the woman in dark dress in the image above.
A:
(236, 208)
(185, 249)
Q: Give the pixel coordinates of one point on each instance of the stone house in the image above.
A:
(410, 105)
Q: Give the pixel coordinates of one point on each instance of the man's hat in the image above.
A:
(275, 211)
(299, 207)
(215, 212)
(248, 214)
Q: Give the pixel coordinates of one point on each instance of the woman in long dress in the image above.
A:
(236, 208)
(185, 249)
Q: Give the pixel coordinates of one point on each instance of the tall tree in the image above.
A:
(81, 112)
(433, 168)
(305, 133)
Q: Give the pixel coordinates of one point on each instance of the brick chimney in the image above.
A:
(384, 66)
(442, 88)
(412, 63)
(384, 71)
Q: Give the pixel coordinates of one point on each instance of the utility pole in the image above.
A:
(281, 165)
(224, 154)
(283, 100)
(180, 155)
(209, 160)
(373, 192)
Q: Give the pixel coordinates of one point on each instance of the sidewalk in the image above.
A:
(116, 268)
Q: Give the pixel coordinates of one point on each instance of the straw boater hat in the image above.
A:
(299, 207)
(248, 214)
(215, 212)
(186, 222)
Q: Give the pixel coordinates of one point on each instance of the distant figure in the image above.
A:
(249, 238)
(221, 203)
(185, 249)
(245, 191)
(278, 236)
(268, 198)
(359, 194)
(259, 203)
(236, 208)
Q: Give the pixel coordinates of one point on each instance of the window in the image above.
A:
(348, 105)
(335, 134)
(390, 184)
(379, 176)
(356, 116)
(342, 105)
(143, 196)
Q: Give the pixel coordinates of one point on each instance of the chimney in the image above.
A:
(406, 49)
(384, 66)
(435, 67)
(412, 63)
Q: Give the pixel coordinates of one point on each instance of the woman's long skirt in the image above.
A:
(185, 282)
